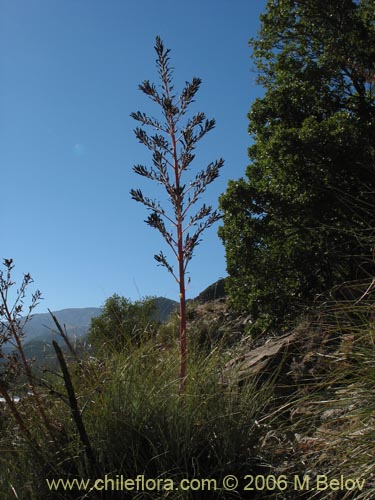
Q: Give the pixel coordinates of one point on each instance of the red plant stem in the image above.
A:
(180, 247)
(181, 267)
(181, 272)
(183, 350)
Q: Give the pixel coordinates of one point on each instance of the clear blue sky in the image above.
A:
(69, 75)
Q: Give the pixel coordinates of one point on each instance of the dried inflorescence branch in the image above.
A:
(12, 324)
(172, 148)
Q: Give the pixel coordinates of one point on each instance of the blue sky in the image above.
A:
(69, 73)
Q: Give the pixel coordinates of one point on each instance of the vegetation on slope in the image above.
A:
(255, 403)
(302, 220)
(301, 411)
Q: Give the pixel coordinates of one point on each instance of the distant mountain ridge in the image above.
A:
(75, 320)
(212, 292)
(41, 329)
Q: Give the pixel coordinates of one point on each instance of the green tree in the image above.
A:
(123, 323)
(173, 151)
(303, 219)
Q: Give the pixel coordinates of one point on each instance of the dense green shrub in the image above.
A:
(123, 323)
(302, 220)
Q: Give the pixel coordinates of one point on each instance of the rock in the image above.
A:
(255, 361)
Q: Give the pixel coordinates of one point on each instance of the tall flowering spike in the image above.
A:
(172, 149)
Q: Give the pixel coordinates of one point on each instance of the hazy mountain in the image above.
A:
(76, 322)
(40, 329)
(164, 308)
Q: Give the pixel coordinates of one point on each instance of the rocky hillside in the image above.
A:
(323, 374)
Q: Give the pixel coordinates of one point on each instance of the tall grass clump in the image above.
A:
(142, 425)
(331, 425)
(137, 422)
(351, 430)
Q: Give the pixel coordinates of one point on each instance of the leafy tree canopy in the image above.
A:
(303, 219)
(123, 323)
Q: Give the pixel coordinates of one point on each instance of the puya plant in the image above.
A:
(173, 145)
